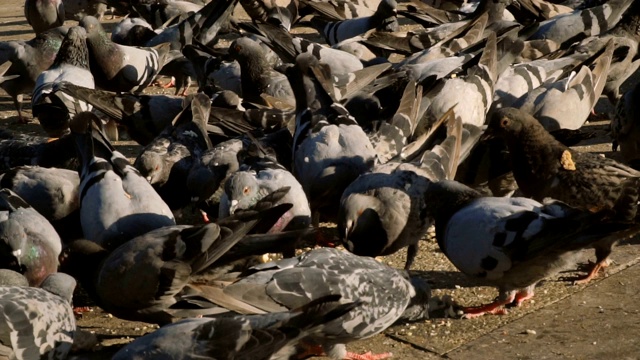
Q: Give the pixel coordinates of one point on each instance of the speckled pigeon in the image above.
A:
(387, 294)
(544, 168)
(513, 243)
(147, 278)
(116, 202)
(37, 323)
(30, 245)
(54, 109)
(267, 336)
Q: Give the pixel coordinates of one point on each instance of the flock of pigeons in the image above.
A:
(466, 129)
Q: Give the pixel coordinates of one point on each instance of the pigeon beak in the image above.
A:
(348, 228)
(149, 179)
(17, 254)
(233, 207)
(487, 135)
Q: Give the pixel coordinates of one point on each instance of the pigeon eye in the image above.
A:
(504, 122)
(246, 190)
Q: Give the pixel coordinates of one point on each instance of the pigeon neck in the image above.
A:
(531, 150)
(73, 52)
(252, 68)
(449, 202)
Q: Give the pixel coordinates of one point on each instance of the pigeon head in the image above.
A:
(151, 167)
(510, 122)
(247, 53)
(360, 227)
(418, 308)
(92, 26)
(243, 191)
(14, 239)
(60, 284)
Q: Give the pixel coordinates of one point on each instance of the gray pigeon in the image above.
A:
(29, 244)
(37, 323)
(147, 278)
(53, 192)
(43, 15)
(252, 337)
(55, 109)
(384, 18)
(282, 13)
(513, 243)
(118, 67)
(258, 179)
(382, 211)
(202, 25)
(565, 29)
(330, 148)
(257, 75)
(78, 9)
(132, 32)
(625, 129)
(386, 294)
(143, 116)
(20, 149)
(116, 202)
(28, 60)
(566, 103)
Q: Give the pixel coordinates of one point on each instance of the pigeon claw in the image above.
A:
(367, 356)
(494, 308)
(593, 273)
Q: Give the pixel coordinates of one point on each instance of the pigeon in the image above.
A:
(43, 15)
(54, 109)
(121, 68)
(132, 32)
(78, 9)
(625, 36)
(30, 245)
(52, 192)
(257, 76)
(159, 263)
(205, 182)
(265, 336)
(513, 243)
(28, 60)
(166, 161)
(382, 211)
(37, 323)
(387, 295)
(281, 13)
(116, 202)
(143, 116)
(545, 168)
(384, 18)
(330, 148)
(12, 278)
(19, 149)
(569, 28)
(202, 25)
(258, 178)
(566, 103)
(522, 78)
(624, 127)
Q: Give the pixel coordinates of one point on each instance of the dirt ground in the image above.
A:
(425, 339)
